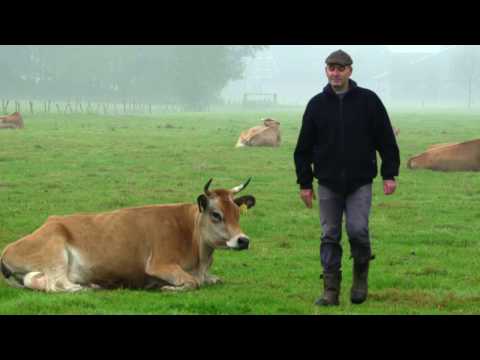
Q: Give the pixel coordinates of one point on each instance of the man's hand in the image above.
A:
(307, 195)
(389, 187)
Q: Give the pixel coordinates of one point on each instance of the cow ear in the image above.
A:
(202, 202)
(247, 200)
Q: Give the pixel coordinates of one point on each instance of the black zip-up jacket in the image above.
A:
(340, 138)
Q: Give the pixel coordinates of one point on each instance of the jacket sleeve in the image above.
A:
(385, 141)
(303, 155)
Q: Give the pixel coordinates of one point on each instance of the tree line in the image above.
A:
(189, 76)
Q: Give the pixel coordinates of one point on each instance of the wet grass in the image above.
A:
(425, 237)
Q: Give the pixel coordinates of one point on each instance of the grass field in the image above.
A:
(425, 237)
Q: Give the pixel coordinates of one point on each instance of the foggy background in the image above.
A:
(410, 75)
(205, 77)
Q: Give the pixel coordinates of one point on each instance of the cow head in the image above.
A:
(270, 123)
(220, 215)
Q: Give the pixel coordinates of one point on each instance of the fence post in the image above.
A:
(5, 105)
(31, 106)
(68, 106)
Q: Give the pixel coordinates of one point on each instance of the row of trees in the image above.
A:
(191, 76)
(465, 67)
(451, 76)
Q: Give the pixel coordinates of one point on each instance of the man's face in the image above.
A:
(338, 75)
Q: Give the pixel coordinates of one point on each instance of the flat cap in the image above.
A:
(339, 57)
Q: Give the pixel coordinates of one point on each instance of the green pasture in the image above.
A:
(425, 237)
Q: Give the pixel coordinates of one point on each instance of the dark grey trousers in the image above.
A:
(356, 207)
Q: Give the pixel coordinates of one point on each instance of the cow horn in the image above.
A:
(207, 185)
(239, 188)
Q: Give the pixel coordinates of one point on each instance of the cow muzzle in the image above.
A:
(239, 243)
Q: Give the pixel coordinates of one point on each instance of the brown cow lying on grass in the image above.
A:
(167, 247)
(13, 121)
(267, 134)
(449, 157)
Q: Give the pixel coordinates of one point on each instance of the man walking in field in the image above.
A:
(342, 129)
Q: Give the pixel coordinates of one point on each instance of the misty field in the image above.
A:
(425, 237)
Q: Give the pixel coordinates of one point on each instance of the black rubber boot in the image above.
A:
(331, 289)
(359, 289)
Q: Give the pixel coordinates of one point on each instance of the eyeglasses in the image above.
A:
(340, 68)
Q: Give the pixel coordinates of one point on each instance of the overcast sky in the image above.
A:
(414, 48)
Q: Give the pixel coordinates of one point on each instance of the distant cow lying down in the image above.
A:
(13, 121)
(267, 134)
(449, 157)
(166, 247)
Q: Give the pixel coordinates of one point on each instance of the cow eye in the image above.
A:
(216, 216)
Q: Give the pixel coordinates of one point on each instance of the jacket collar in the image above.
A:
(352, 85)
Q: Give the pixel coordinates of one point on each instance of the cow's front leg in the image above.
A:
(212, 279)
(50, 282)
(175, 276)
(184, 287)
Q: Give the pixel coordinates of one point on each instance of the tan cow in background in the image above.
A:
(267, 134)
(13, 121)
(449, 157)
(168, 247)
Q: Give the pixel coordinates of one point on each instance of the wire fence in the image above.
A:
(78, 107)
